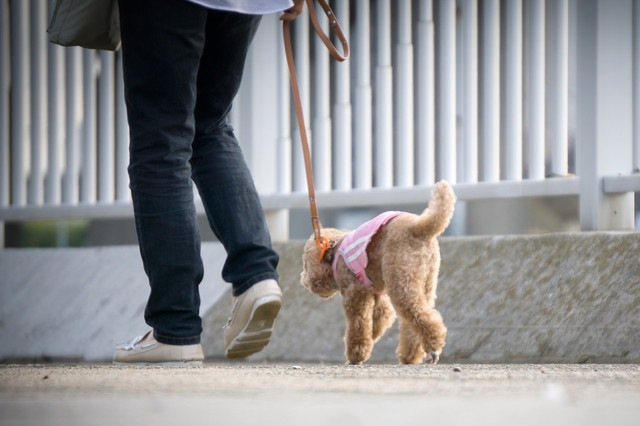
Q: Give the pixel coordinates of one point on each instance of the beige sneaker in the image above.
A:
(145, 350)
(252, 316)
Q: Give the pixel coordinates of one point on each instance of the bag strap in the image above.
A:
(322, 242)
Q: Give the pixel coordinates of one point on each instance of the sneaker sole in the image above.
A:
(160, 364)
(255, 336)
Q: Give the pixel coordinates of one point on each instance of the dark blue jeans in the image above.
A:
(182, 68)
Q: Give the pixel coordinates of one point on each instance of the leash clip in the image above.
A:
(324, 244)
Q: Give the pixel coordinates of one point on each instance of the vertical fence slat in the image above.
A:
(56, 108)
(491, 92)
(560, 97)
(636, 87)
(20, 108)
(425, 91)
(383, 137)
(5, 79)
(122, 135)
(363, 136)
(35, 193)
(513, 82)
(536, 69)
(469, 174)
(70, 180)
(301, 55)
(284, 140)
(106, 128)
(56, 117)
(447, 97)
(342, 145)
(321, 122)
(404, 116)
(88, 146)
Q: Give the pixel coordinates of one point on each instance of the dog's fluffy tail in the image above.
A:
(436, 217)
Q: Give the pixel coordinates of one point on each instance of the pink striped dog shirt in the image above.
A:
(353, 248)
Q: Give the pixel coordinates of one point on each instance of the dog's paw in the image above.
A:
(432, 358)
(410, 353)
(358, 353)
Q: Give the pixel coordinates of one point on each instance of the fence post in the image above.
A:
(604, 111)
(490, 109)
(20, 133)
(446, 104)
(403, 119)
(383, 113)
(38, 93)
(5, 117)
(363, 95)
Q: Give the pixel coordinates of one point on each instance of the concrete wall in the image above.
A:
(78, 303)
(549, 298)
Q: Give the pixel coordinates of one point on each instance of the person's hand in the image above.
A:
(293, 12)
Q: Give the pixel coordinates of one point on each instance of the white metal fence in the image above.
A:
(510, 98)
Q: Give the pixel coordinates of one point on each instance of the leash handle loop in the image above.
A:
(337, 29)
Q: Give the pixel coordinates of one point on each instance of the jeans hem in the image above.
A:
(178, 341)
(238, 290)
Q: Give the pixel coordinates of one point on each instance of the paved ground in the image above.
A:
(222, 393)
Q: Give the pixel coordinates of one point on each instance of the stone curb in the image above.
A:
(549, 298)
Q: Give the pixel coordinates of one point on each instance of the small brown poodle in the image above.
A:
(390, 264)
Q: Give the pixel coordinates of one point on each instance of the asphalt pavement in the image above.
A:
(246, 393)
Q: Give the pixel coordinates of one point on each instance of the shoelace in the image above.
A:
(131, 344)
(233, 312)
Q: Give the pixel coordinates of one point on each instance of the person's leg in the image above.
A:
(218, 166)
(227, 189)
(162, 43)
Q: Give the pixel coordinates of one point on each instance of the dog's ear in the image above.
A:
(316, 276)
(318, 282)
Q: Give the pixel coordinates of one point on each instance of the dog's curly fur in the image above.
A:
(404, 261)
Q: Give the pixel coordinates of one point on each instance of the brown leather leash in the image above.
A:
(322, 242)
